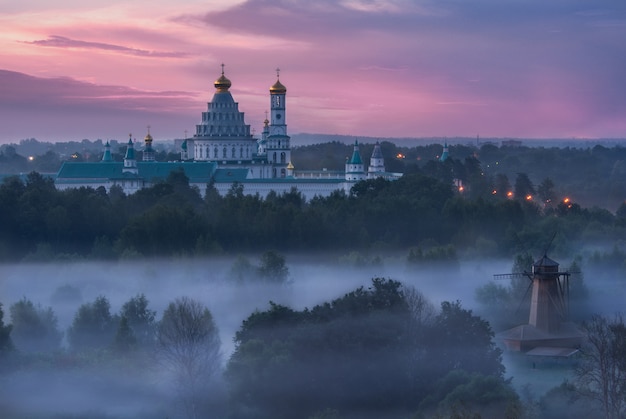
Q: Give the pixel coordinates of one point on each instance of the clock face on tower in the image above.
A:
(279, 130)
(278, 116)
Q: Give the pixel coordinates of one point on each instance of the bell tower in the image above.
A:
(277, 94)
(278, 147)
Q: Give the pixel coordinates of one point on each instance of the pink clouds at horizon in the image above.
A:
(362, 68)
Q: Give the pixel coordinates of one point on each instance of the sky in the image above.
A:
(73, 70)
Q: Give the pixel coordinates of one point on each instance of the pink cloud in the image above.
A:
(64, 42)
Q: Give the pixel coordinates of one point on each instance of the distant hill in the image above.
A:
(303, 139)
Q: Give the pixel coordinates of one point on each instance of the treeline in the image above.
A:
(590, 175)
(379, 351)
(415, 214)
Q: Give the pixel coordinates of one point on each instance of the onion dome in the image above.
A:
(148, 138)
(222, 84)
(278, 88)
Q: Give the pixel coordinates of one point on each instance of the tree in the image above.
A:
(241, 269)
(602, 375)
(140, 320)
(545, 190)
(188, 346)
(523, 186)
(93, 326)
(273, 267)
(35, 329)
(5, 334)
(461, 340)
(125, 339)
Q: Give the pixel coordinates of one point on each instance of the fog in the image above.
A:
(312, 281)
(209, 280)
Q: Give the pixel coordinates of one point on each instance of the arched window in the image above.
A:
(233, 152)
(282, 157)
(215, 152)
(282, 173)
(224, 153)
(241, 153)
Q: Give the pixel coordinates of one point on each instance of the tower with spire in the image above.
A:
(355, 170)
(148, 151)
(106, 157)
(130, 162)
(377, 163)
(444, 154)
(278, 147)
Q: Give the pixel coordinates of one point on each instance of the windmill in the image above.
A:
(549, 289)
(548, 330)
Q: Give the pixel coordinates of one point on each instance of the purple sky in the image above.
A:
(72, 69)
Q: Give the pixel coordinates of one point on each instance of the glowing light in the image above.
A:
(461, 188)
(400, 156)
(31, 158)
(509, 194)
(566, 200)
(494, 192)
(529, 197)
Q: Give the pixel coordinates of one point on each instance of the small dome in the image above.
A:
(278, 88)
(222, 84)
(290, 166)
(148, 138)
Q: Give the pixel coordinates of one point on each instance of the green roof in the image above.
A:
(71, 172)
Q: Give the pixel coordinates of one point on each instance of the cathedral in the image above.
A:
(222, 152)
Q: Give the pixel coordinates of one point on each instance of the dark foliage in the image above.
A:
(358, 353)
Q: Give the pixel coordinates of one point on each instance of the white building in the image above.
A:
(222, 151)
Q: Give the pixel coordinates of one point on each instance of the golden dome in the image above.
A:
(222, 84)
(278, 88)
(148, 138)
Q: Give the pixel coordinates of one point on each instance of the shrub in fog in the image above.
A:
(35, 329)
(140, 320)
(273, 267)
(93, 326)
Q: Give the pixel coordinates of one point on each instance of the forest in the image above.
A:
(378, 346)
